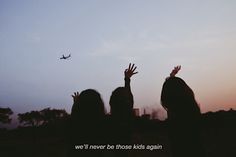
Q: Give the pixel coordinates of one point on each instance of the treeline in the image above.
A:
(219, 119)
(50, 116)
(43, 117)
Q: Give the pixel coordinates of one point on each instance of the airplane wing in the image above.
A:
(68, 56)
(65, 57)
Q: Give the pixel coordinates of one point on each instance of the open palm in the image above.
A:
(130, 71)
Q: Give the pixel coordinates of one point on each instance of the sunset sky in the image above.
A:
(103, 37)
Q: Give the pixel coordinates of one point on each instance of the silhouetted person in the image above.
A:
(87, 123)
(121, 103)
(183, 117)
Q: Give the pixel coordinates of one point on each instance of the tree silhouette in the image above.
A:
(43, 117)
(5, 115)
(51, 116)
(32, 118)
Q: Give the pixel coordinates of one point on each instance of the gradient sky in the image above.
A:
(103, 36)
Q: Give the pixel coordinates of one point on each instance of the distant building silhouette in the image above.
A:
(145, 115)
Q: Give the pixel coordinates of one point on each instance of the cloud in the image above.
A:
(129, 47)
(135, 46)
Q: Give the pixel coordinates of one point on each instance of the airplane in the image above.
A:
(65, 57)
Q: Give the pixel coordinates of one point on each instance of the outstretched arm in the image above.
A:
(128, 74)
(75, 102)
(175, 71)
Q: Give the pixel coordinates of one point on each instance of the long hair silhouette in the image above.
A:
(87, 124)
(178, 98)
(183, 117)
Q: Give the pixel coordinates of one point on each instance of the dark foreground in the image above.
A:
(219, 139)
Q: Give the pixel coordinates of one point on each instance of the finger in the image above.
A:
(178, 69)
(74, 93)
(135, 73)
(132, 67)
(73, 96)
(129, 65)
(77, 93)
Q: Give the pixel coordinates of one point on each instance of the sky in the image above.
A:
(103, 37)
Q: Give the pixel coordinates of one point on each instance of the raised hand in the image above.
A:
(75, 97)
(130, 71)
(175, 71)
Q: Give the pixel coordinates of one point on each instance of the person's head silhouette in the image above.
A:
(177, 97)
(121, 102)
(88, 104)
